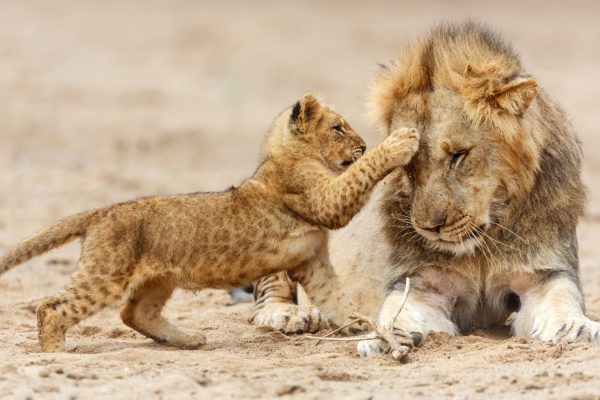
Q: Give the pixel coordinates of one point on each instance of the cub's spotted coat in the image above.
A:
(310, 179)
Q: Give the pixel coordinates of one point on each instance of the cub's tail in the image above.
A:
(53, 236)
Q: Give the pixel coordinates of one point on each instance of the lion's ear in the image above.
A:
(303, 112)
(516, 95)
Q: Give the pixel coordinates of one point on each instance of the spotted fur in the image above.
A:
(311, 178)
(276, 306)
(484, 218)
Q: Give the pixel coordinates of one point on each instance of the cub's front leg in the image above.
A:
(319, 279)
(424, 311)
(553, 310)
(276, 306)
(331, 202)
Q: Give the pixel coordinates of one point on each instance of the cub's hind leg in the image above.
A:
(276, 306)
(93, 287)
(142, 312)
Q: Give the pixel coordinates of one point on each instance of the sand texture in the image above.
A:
(104, 101)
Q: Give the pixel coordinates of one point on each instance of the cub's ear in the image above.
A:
(303, 112)
(516, 95)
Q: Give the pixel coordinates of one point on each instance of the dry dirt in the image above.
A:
(110, 100)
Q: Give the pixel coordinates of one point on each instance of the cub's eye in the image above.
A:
(339, 129)
(457, 157)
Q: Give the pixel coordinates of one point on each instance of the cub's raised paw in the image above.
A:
(290, 318)
(401, 145)
(568, 330)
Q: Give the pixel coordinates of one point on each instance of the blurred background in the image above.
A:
(102, 101)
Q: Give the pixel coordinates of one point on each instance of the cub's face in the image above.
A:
(324, 132)
(457, 178)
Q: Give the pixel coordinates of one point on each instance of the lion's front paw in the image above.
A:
(372, 347)
(401, 145)
(355, 328)
(290, 318)
(577, 328)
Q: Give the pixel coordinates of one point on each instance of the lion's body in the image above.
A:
(484, 220)
(277, 220)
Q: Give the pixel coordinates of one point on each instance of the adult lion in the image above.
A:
(484, 218)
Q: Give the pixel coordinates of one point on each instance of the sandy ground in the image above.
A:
(110, 100)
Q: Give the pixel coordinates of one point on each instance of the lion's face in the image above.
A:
(458, 190)
(481, 141)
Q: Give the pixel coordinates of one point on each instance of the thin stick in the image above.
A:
(344, 339)
(337, 330)
(404, 298)
(398, 351)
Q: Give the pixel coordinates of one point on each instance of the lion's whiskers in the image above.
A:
(494, 240)
(503, 227)
(481, 244)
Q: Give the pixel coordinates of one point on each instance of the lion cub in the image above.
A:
(310, 179)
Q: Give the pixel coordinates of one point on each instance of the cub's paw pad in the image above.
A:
(290, 318)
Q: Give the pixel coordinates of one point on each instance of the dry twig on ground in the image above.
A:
(398, 348)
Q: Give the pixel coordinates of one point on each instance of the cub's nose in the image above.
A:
(363, 148)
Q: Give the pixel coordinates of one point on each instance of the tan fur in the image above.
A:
(495, 193)
(484, 220)
(311, 178)
(276, 305)
(279, 301)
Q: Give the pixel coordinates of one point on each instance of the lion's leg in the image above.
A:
(100, 281)
(276, 306)
(142, 312)
(320, 281)
(423, 312)
(553, 311)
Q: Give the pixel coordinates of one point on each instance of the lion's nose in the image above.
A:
(433, 229)
(363, 148)
(435, 224)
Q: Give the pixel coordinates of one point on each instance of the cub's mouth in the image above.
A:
(354, 155)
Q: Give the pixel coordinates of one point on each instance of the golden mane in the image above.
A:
(475, 62)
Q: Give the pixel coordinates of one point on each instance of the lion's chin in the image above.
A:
(459, 248)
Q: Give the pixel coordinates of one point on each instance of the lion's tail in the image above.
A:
(53, 236)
